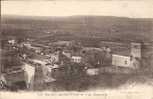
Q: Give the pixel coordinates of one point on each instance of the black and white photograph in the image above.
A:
(76, 46)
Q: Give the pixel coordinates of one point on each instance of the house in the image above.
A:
(76, 56)
(29, 74)
(76, 59)
(62, 43)
(119, 60)
(58, 57)
(92, 71)
(24, 56)
(27, 44)
(47, 70)
(67, 54)
(132, 60)
(91, 49)
(96, 56)
(2, 81)
(107, 49)
(54, 58)
(12, 42)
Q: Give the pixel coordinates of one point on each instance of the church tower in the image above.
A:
(136, 50)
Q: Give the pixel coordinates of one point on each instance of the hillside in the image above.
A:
(98, 27)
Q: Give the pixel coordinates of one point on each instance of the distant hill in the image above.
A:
(76, 27)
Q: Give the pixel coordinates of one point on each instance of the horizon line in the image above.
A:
(81, 15)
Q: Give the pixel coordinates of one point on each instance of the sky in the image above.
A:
(120, 8)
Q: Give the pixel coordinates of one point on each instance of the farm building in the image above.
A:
(131, 60)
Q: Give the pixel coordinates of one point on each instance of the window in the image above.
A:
(125, 61)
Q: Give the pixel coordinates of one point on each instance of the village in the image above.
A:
(66, 62)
